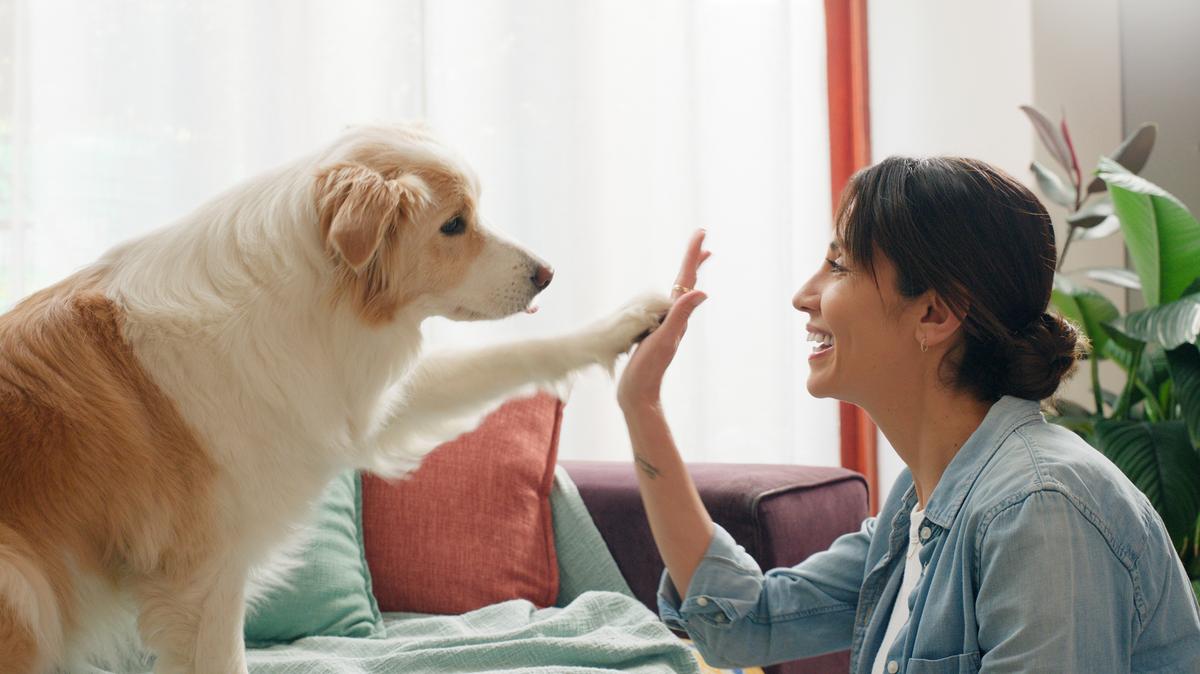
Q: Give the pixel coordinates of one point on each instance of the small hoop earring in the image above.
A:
(924, 346)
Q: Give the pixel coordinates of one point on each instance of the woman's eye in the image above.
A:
(835, 266)
(454, 226)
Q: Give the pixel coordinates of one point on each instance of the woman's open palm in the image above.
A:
(642, 378)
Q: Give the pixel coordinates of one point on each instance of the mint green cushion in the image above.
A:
(584, 562)
(330, 594)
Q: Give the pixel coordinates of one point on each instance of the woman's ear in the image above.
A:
(356, 206)
(938, 322)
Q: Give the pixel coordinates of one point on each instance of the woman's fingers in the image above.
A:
(692, 259)
(677, 318)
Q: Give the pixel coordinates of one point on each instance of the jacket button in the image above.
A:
(702, 601)
(893, 667)
(925, 533)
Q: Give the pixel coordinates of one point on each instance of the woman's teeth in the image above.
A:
(822, 341)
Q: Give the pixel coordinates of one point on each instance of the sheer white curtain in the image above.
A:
(603, 132)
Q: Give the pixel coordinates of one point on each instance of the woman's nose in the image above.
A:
(807, 298)
(798, 301)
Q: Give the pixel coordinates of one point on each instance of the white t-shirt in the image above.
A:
(912, 574)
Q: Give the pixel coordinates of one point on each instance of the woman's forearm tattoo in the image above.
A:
(647, 467)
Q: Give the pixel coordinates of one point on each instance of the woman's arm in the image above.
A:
(681, 526)
(736, 615)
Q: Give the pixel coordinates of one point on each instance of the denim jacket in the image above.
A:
(1038, 556)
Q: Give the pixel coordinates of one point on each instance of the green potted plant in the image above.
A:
(1150, 426)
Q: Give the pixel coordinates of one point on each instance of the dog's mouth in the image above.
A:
(463, 313)
(468, 314)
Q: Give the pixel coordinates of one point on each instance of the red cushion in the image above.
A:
(472, 526)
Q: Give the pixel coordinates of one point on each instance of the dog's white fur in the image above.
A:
(229, 311)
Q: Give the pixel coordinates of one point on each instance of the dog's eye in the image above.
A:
(454, 226)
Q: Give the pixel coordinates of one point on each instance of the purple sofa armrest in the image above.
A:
(780, 514)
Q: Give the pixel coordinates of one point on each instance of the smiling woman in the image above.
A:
(1007, 544)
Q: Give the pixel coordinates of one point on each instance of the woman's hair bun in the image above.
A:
(1040, 356)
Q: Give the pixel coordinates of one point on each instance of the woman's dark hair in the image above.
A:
(985, 244)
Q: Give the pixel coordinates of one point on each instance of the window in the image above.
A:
(603, 133)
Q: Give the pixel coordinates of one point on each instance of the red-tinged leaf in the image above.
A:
(1076, 176)
(1050, 135)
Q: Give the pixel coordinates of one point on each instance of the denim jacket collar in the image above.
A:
(1004, 417)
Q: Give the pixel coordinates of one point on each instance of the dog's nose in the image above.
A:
(542, 277)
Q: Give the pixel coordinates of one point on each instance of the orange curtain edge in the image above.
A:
(850, 150)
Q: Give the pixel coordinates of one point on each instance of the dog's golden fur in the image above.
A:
(98, 471)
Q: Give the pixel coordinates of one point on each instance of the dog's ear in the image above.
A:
(357, 206)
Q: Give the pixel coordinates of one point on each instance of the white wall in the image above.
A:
(1160, 82)
(1078, 74)
(947, 77)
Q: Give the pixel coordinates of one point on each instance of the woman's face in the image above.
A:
(862, 334)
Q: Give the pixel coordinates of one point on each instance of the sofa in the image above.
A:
(781, 514)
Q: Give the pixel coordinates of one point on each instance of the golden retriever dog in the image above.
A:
(169, 414)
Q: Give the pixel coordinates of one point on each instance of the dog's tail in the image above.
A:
(31, 628)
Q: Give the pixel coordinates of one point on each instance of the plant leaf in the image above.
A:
(1132, 153)
(1124, 359)
(1152, 367)
(1109, 226)
(1077, 176)
(1086, 308)
(1116, 276)
(1110, 397)
(1184, 364)
(1067, 408)
(1123, 340)
(1051, 185)
(1050, 135)
(1083, 426)
(1162, 236)
(1160, 460)
(1092, 215)
(1086, 221)
(1167, 325)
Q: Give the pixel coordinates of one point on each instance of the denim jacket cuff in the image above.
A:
(724, 587)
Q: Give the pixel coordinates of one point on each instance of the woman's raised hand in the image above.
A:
(642, 378)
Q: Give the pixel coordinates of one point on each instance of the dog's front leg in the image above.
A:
(447, 394)
(193, 621)
(220, 643)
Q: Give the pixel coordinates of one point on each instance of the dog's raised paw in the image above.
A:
(616, 334)
(648, 312)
